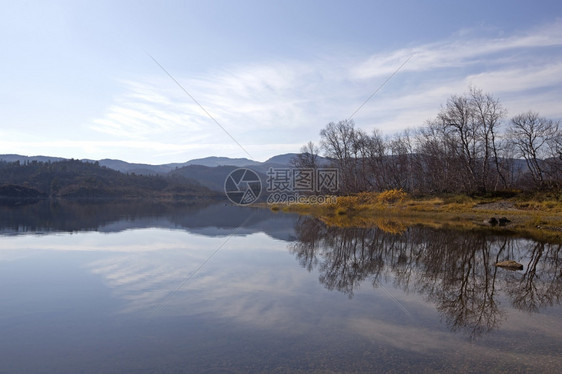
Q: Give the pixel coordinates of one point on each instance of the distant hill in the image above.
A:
(210, 172)
(214, 177)
(148, 169)
(22, 159)
(78, 179)
(126, 167)
(221, 161)
(210, 177)
(284, 159)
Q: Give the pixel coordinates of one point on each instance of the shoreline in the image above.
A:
(528, 218)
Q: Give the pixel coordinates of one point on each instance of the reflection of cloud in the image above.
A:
(237, 285)
(429, 341)
(408, 338)
(254, 282)
(90, 246)
(142, 281)
(161, 283)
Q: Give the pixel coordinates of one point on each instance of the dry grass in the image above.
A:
(394, 210)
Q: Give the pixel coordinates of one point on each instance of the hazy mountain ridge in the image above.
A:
(20, 158)
(131, 167)
(210, 172)
(82, 179)
(214, 161)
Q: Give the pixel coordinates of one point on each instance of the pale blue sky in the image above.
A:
(77, 80)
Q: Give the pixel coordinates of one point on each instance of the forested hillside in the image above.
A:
(77, 179)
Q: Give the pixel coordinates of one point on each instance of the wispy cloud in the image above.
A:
(144, 111)
(272, 106)
(520, 79)
(456, 53)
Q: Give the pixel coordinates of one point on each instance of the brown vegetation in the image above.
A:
(538, 216)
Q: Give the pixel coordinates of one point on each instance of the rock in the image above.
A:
(492, 221)
(510, 264)
(504, 221)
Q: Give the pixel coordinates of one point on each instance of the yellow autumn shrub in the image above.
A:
(392, 196)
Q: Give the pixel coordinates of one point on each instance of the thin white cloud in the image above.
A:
(519, 79)
(457, 53)
(145, 111)
(272, 106)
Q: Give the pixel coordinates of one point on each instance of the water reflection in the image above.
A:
(52, 216)
(148, 288)
(454, 270)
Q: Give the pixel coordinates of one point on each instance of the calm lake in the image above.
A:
(156, 288)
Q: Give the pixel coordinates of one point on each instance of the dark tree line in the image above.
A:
(469, 147)
(78, 179)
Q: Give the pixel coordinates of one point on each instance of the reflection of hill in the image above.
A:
(115, 216)
(455, 270)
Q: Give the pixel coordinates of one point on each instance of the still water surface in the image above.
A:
(149, 288)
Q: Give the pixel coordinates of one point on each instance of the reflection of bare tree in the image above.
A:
(309, 234)
(344, 256)
(354, 259)
(540, 285)
(460, 277)
(454, 269)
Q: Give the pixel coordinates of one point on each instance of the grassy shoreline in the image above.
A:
(538, 217)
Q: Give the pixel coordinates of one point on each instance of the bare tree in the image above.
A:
(438, 163)
(536, 140)
(457, 118)
(375, 150)
(472, 121)
(399, 164)
(340, 142)
(488, 113)
(307, 158)
(555, 150)
(463, 149)
(362, 144)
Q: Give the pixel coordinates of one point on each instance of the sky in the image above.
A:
(168, 81)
